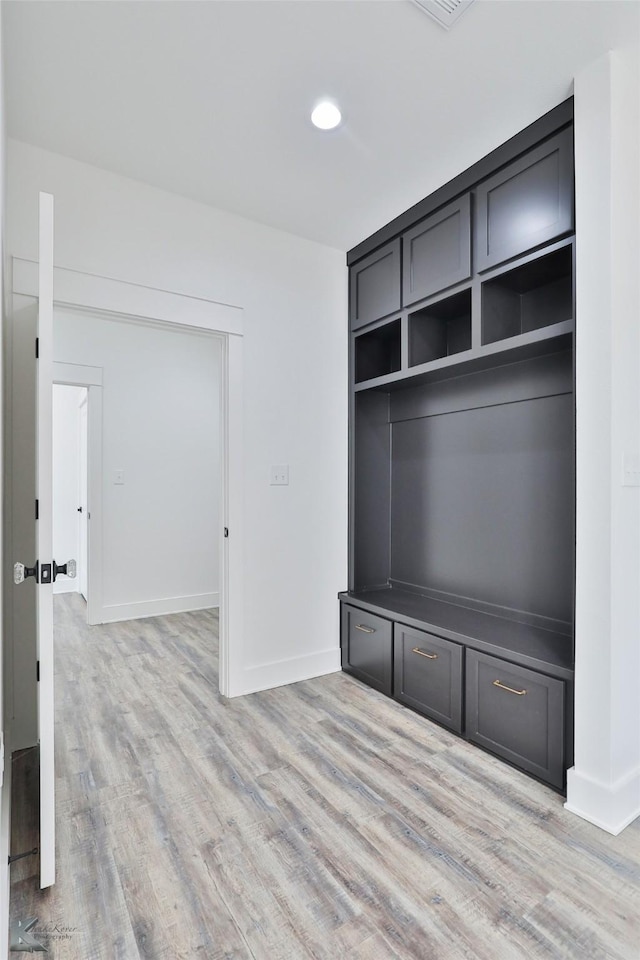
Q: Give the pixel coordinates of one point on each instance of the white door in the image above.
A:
(44, 570)
(82, 496)
(44, 542)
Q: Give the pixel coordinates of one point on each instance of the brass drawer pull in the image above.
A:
(518, 693)
(421, 653)
(360, 626)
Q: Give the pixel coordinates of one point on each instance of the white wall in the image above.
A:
(294, 296)
(604, 784)
(161, 429)
(66, 475)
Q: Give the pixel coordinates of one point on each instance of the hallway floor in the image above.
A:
(320, 820)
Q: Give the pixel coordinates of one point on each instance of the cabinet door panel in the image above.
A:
(428, 675)
(375, 286)
(437, 252)
(367, 647)
(528, 203)
(517, 714)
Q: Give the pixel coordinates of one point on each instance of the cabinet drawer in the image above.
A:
(375, 286)
(528, 203)
(517, 714)
(436, 253)
(367, 647)
(428, 675)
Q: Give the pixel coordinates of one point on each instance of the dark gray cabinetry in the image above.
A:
(462, 454)
(367, 647)
(375, 286)
(527, 204)
(437, 253)
(428, 675)
(517, 714)
(503, 685)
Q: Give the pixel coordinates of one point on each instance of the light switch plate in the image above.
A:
(279, 475)
(118, 476)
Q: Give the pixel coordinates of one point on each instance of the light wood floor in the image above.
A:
(319, 820)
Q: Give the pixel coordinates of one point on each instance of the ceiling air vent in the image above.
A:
(446, 12)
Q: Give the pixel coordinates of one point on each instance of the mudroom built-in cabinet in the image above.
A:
(462, 454)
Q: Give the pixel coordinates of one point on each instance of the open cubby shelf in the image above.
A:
(531, 296)
(537, 343)
(378, 352)
(440, 329)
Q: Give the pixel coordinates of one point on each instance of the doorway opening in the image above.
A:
(148, 533)
(101, 296)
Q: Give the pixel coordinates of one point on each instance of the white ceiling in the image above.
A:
(211, 100)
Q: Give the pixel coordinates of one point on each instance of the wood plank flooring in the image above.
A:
(319, 820)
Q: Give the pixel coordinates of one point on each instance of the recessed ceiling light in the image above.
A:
(326, 115)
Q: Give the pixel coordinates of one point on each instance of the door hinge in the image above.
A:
(37, 348)
(37, 671)
(37, 509)
(226, 531)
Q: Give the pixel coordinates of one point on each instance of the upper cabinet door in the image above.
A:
(375, 285)
(528, 203)
(437, 252)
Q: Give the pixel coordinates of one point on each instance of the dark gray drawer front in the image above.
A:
(436, 254)
(517, 714)
(528, 203)
(367, 647)
(375, 286)
(428, 675)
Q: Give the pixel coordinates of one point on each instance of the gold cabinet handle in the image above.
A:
(360, 626)
(518, 693)
(421, 653)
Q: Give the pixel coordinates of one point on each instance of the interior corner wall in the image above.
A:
(604, 784)
(294, 296)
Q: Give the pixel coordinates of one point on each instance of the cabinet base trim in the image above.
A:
(612, 807)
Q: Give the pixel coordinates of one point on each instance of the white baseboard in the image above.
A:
(612, 807)
(112, 613)
(281, 672)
